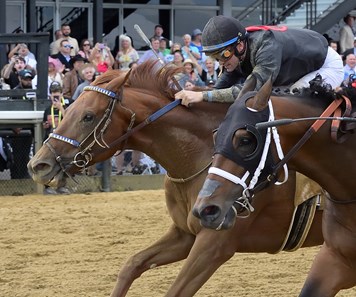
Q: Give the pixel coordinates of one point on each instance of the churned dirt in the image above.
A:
(71, 246)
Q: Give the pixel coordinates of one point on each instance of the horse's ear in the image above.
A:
(116, 83)
(260, 100)
(249, 85)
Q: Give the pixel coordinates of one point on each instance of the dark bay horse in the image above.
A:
(241, 151)
(181, 141)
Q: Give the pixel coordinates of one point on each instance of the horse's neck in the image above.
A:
(320, 158)
(182, 140)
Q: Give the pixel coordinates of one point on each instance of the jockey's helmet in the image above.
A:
(221, 31)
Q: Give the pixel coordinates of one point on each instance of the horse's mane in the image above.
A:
(149, 76)
(153, 77)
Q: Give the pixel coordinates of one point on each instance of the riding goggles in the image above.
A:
(223, 55)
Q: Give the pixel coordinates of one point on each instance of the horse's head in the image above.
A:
(239, 148)
(105, 112)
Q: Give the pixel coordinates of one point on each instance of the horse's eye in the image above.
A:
(88, 118)
(243, 141)
(245, 144)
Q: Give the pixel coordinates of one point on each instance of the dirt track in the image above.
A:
(71, 246)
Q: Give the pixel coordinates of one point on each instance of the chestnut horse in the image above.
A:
(243, 153)
(113, 114)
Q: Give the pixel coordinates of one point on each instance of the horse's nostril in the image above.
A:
(39, 167)
(210, 213)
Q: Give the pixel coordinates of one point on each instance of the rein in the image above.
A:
(333, 108)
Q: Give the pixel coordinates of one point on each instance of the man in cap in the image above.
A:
(25, 80)
(72, 78)
(287, 56)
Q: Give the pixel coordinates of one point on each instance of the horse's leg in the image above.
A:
(172, 247)
(334, 267)
(328, 275)
(211, 249)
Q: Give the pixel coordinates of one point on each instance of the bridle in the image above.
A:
(250, 189)
(85, 154)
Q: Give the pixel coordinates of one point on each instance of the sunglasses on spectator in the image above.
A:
(86, 44)
(67, 46)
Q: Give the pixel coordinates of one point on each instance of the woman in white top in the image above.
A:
(126, 54)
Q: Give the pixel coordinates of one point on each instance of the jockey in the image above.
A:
(291, 57)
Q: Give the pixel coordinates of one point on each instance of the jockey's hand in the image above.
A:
(189, 97)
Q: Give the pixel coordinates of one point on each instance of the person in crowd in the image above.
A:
(189, 50)
(66, 30)
(225, 39)
(189, 85)
(333, 44)
(351, 50)
(349, 68)
(102, 58)
(64, 55)
(149, 54)
(126, 54)
(57, 35)
(347, 34)
(22, 50)
(178, 59)
(25, 81)
(87, 73)
(72, 78)
(170, 57)
(85, 49)
(52, 116)
(211, 72)
(22, 138)
(55, 73)
(158, 34)
(190, 73)
(163, 47)
(196, 41)
(10, 72)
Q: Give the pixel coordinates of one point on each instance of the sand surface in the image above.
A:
(71, 246)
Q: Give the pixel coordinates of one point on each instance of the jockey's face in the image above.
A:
(231, 64)
(227, 57)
